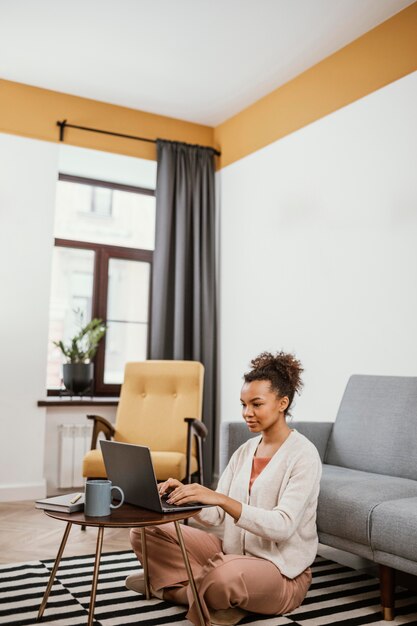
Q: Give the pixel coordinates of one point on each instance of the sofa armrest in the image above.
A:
(317, 432)
(232, 435)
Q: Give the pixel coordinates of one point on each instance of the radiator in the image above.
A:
(74, 442)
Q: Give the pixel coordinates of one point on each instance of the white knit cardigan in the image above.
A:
(278, 519)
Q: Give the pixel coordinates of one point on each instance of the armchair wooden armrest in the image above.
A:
(101, 425)
(197, 429)
(198, 426)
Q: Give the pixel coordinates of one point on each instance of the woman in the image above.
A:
(265, 503)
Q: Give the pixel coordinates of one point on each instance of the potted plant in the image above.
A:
(78, 371)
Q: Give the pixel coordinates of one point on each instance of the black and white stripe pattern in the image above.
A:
(338, 595)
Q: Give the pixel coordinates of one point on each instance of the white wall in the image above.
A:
(319, 251)
(27, 195)
(66, 414)
(28, 174)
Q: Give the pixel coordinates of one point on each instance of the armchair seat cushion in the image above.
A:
(93, 465)
(171, 464)
(166, 464)
(348, 498)
(394, 528)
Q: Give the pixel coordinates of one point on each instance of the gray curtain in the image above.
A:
(183, 322)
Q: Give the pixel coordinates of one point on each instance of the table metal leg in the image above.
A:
(145, 563)
(190, 573)
(95, 576)
(54, 570)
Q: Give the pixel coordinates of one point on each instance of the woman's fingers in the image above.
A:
(183, 494)
(162, 487)
(193, 493)
(180, 499)
(168, 485)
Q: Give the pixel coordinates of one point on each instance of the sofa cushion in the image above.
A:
(348, 497)
(394, 527)
(376, 426)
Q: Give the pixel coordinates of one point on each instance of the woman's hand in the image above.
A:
(185, 494)
(168, 485)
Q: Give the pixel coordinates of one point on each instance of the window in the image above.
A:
(102, 264)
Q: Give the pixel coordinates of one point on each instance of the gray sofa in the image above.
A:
(368, 494)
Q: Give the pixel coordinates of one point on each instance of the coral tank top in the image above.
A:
(258, 464)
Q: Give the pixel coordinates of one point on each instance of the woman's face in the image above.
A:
(262, 408)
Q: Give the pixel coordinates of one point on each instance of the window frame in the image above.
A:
(103, 253)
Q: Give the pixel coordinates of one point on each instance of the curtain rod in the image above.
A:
(64, 124)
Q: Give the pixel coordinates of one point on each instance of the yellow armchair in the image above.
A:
(160, 407)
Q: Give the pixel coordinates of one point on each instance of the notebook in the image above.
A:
(67, 503)
(130, 467)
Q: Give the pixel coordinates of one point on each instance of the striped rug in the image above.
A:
(338, 595)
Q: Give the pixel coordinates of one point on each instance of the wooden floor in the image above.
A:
(28, 534)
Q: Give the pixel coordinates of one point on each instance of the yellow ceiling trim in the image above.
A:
(376, 59)
(381, 56)
(33, 112)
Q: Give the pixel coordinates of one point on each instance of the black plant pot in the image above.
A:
(78, 377)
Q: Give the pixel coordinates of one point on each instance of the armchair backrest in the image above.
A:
(154, 399)
(376, 426)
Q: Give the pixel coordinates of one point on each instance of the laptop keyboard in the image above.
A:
(165, 504)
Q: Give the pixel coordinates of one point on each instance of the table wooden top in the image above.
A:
(127, 516)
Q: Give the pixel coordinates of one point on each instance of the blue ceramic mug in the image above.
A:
(98, 496)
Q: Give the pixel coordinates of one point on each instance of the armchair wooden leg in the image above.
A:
(387, 587)
(200, 462)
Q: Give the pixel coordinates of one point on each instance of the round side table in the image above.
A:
(127, 516)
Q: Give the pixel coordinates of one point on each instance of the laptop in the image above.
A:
(129, 466)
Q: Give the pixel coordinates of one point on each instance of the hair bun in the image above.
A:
(282, 369)
(285, 364)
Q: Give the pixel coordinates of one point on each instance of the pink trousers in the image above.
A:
(222, 580)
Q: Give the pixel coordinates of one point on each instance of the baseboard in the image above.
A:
(16, 492)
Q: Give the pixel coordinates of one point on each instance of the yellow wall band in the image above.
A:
(33, 112)
(381, 56)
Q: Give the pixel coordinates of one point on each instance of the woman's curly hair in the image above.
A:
(282, 370)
